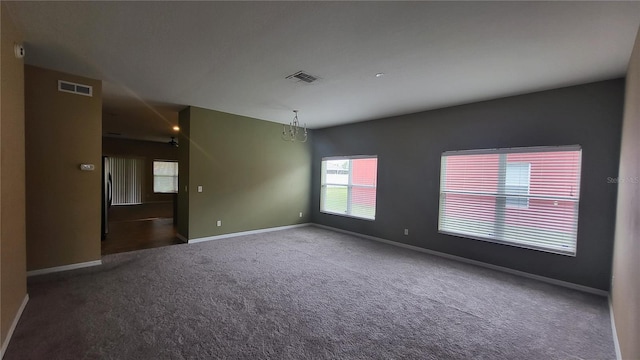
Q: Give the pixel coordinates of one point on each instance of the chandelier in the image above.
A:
(294, 132)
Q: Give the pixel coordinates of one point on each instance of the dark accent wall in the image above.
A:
(409, 149)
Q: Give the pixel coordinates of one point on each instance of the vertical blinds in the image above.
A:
(126, 175)
(349, 186)
(526, 197)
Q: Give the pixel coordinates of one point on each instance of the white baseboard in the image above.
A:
(474, 262)
(242, 233)
(179, 236)
(616, 344)
(64, 268)
(5, 343)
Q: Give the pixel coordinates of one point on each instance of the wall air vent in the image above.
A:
(80, 89)
(302, 76)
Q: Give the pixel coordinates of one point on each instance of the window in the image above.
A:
(526, 197)
(165, 176)
(517, 181)
(126, 175)
(349, 186)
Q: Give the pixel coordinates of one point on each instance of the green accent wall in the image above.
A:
(251, 178)
(183, 173)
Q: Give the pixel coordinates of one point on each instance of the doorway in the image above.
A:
(142, 226)
(140, 194)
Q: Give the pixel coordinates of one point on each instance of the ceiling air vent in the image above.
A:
(80, 89)
(302, 76)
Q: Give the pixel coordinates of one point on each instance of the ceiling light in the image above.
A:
(379, 75)
(294, 132)
(176, 128)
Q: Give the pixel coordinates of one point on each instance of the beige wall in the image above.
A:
(251, 178)
(13, 283)
(63, 130)
(625, 288)
(147, 150)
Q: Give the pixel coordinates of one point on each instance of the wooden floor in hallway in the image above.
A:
(130, 235)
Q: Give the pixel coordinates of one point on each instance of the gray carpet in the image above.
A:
(306, 293)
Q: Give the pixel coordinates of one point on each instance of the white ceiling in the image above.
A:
(157, 57)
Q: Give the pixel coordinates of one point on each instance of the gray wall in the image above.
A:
(409, 149)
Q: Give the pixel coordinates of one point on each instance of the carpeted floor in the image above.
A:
(306, 293)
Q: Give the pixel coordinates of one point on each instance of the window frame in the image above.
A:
(153, 176)
(349, 185)
(528, 192)
(505, 151)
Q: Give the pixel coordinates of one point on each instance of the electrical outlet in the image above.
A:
(219, 223)
(406, 231)
(199, 188)
(300, 214)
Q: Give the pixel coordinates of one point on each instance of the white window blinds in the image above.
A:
(526, 197)
(349, 186)
(165, 176)
(126, 175)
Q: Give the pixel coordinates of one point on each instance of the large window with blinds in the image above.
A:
(349, 186)
(126, 174)
(526, 197)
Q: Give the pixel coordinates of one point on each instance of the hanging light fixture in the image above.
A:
(173, 142)
(294, 132)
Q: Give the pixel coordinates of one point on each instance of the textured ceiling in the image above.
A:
(157, 57)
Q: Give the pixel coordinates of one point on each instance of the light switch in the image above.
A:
(199, 188)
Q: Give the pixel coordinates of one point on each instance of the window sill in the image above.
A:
(501, 242)
(346, 215)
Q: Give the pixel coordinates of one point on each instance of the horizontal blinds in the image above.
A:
(349, 186)
(126, 175)
(165, 168)
(527, 199)
(165, 176)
